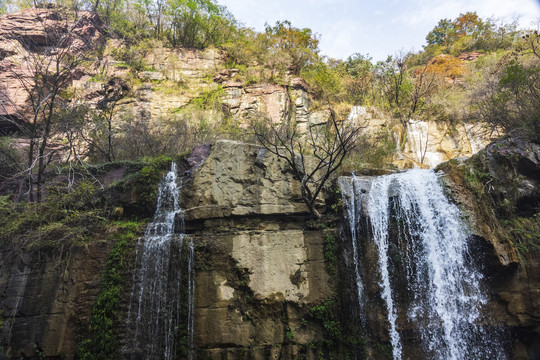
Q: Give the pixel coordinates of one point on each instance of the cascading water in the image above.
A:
(426, 277)
(353, 215)
(155, 312)
(419, 142)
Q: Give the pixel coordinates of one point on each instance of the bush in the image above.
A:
(10, 159)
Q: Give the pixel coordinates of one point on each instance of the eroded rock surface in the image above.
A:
(46, 296)
(238, 180)
(25, 34)
(259, 270)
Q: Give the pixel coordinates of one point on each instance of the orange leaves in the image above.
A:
(445, 66)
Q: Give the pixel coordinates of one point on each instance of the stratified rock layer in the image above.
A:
(259, 270)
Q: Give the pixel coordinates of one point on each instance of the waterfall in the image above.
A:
(353, 212)
(356, 112)
(425, 272)
(475, 140)
(419, 143)
(155, 311)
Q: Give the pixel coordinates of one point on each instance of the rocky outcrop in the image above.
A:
(247, 102)
(498, 189)
(260, 269)
(422, 144)
(23, 38)
(241, 180)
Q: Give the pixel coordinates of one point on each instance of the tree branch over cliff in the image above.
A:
(313, 156)
(46, 70)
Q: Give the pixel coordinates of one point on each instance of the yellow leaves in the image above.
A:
(446, 66)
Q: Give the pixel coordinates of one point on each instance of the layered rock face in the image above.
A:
(261, 265)
(46, 297)
(24, 38)
(259, 268)
(173, 78)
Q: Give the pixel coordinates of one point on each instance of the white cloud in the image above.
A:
(375, 27)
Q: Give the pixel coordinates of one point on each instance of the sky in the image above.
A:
(375, 27)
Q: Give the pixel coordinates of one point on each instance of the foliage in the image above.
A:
(373, 150)
(198, 23)
(508, 97)
(280, 49)
(358, 82)
(393, 81)
(10, 159)
(72, 217)
(143, 185)
(324, 80)
(299, 45)
(102, 343)
(468, 32)
(208, 100)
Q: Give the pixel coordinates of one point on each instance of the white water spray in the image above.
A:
(441, 283)
(155, 309)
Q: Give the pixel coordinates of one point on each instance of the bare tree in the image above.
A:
(425, 82)
(313, 156)
(44, 74)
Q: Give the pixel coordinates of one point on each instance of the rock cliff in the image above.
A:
(498, 189)
(269, 282)
(260, 267)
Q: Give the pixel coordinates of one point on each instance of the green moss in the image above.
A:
(102, 340)
(63, 219)
(330, 252)
(336, 343)
(208, 100)
(143, 185)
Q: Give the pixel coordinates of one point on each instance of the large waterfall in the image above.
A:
(425, 274)
(160, 316)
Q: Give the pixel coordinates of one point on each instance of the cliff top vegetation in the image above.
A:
(470, 70)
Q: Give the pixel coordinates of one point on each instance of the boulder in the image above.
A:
(241, 179)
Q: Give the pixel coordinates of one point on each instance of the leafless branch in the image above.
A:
(313, 157)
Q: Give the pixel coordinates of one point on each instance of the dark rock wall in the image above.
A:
(46, 296)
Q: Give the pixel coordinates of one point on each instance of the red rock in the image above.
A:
(299, 83)
(31, 30)
(469, 56)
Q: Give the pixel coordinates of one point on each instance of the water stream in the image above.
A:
(157, 309)
(426, 276)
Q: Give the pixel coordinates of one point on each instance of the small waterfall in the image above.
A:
(418, 134)
(155, 309)
(356, 112)
(353, 212)
(474, 139)
(426, 275)
(419, 143)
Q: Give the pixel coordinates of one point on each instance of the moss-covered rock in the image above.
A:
(499, 189)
